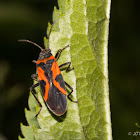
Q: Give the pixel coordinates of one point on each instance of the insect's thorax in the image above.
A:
(45, 65)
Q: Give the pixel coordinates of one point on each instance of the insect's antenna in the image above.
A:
(23, 40)
(50, 33)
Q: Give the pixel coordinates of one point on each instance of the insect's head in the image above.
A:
(45, 53)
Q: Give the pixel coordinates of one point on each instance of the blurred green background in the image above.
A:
(28, 20)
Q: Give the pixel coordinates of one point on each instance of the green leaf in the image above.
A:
(83, 24)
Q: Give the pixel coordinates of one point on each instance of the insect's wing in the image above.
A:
(52, 87)
(43, 84)
(57, 101)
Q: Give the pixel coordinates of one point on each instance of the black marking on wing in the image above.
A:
(57, 101)
(42, 84)
(60, 80)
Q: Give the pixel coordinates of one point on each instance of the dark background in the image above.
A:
(28, 20)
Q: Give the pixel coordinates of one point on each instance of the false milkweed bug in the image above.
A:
(50, 79)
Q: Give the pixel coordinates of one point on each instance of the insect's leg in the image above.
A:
(59, 52)
(68, 68)
(31, 89)
(34, 61)
(70, 92)
(34, 77)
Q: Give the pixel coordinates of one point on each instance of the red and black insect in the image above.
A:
(50, 80)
